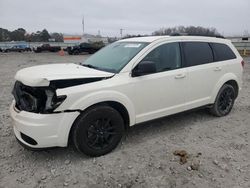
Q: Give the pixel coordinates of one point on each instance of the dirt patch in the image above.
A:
(182, 154)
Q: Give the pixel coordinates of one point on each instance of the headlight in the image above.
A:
(29, 102)
(36, 99)
(53, 101)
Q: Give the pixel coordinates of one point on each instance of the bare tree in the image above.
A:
(190, 30)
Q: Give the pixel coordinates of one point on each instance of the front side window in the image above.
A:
(115, 56)
(166, 57)
(197, 53)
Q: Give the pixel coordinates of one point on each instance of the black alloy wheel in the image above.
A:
(101, 133)
(224, 101)
(98, 130)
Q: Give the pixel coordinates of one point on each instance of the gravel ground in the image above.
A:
(218, 150)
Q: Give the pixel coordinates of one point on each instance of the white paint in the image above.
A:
(42, 74)
(145, 97)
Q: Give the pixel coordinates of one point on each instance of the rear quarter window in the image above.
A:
(222, 52)
(197, 53)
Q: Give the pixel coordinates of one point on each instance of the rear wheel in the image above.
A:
(224, 101)
(98, 131)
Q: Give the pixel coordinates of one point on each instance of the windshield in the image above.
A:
(115, 56)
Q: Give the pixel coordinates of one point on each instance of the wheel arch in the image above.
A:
(235, 86)
(115, 99)
(226, 79)
(114, 104)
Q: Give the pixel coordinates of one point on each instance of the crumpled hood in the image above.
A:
(42, 75)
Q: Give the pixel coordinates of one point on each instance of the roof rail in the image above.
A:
(187, 34)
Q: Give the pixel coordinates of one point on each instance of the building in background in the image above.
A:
(77, 39)
(239, 39)
(242, 44)
(72, 39)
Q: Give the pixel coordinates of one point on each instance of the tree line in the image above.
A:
(190, 30)
(20, 34)
(182, 30)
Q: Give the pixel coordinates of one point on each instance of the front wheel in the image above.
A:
(224, 101)
(98, 130)
(76, 52)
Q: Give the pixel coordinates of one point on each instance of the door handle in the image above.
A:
(179, 76)
(217, 69)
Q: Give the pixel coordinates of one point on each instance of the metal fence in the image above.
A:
(4, 45)
(239, 45)
(242, 45)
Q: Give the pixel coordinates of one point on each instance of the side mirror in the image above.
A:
(143, 68)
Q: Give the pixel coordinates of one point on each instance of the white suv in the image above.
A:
(128, 82)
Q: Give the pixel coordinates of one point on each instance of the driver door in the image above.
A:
(162, 92)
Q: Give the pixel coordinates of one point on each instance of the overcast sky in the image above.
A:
(229, 17)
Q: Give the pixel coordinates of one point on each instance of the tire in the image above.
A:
(91, 51)
(76, 52)
(98, 131)
(224, 101)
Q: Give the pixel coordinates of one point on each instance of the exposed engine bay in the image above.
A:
(44, 99)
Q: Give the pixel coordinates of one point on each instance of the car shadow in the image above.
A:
(167, 125)
(134, 135)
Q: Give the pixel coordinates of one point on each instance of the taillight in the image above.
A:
(242, 63)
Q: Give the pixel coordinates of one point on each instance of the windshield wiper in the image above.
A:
(90, 66)
(98, 68)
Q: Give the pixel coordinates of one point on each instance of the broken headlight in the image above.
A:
(52, 101)
(36, 99)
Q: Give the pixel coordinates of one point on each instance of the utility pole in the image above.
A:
(82, 25)
(121, 30)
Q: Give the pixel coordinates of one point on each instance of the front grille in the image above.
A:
(31, 99)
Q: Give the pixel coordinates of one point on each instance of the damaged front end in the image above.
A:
(36, 99)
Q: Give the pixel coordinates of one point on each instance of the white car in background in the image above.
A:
(128, 82)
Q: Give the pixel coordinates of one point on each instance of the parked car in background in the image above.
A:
(18, 48)
(1, 50)
(85, 47)
(128, 82)
(46, 48)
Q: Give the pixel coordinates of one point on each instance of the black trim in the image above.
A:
(66, 111)
(183, 60)
(24, 145)
(210, 45)
(28, 139)
(59, 84)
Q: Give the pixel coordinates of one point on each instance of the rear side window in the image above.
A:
(197, 53)
(222, 52)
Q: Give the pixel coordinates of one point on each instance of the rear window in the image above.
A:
(222, 52)
(197, 53)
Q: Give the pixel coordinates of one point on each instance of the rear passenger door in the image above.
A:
(203, 72)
